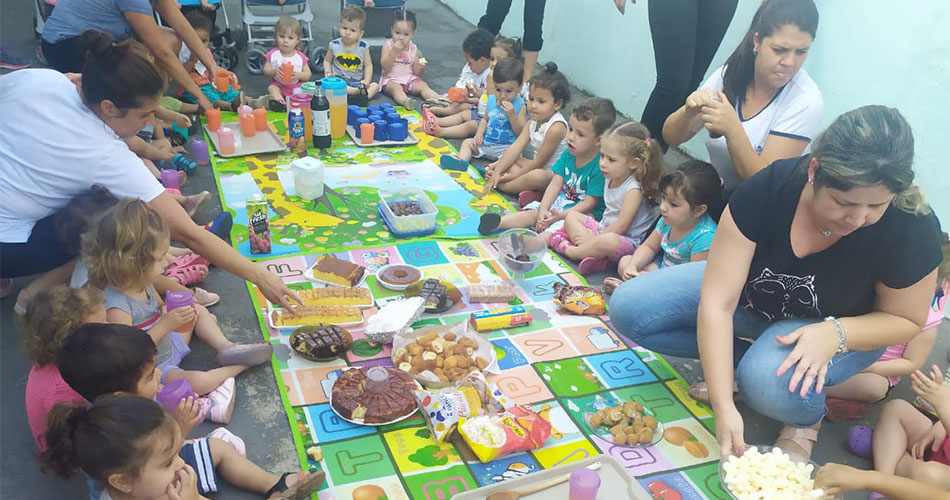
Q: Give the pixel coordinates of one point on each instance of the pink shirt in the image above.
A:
(45, 388)
(934, 317)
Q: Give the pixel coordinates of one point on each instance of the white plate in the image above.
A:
(309, 275)
(397, 288)
(360, 422)
(270, 321)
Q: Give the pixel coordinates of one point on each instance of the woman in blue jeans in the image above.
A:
(822, 260)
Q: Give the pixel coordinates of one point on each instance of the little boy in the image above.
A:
(348, 56)
(578, 183)
(460, 119)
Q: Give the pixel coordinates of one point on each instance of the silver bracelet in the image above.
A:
(842, 334)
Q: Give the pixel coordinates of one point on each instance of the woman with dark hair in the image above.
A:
(823, 260)
(56, 141)
(66, 35)
(761, 106)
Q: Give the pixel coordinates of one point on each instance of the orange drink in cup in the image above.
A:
(287, 72)
(214, 119)
(222, 80)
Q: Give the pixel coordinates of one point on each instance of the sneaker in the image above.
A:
(229, 437)
(8, 61)
(222, 402)
(221, 226)
(488, 223)
(276, 105)
(526, 198)
(205, 297)
(6, 287)
(194, 202)
(183, 163)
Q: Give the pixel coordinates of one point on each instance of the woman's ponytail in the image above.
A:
(60, 454)
(122, 73)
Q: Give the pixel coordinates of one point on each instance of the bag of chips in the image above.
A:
(579, 299)
(469, 397)
(492, 436)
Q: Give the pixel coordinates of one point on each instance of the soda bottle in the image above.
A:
(258, 224)
(320, 109)
(296, 127)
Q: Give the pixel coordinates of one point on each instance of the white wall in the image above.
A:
(866, 52)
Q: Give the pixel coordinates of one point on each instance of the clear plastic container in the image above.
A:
(392, 203)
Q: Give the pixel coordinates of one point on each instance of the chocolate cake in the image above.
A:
(340, 272)
(434, 293)
(374, 395)
(399, 275)
(321, 343)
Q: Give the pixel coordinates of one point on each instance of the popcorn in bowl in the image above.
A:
(769, 475)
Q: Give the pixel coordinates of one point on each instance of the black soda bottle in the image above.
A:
(320, 109)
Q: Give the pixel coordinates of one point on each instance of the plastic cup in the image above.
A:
(287, 72)
(373, 110)
(214, 119)
(222, 80)
(457, 94)
(175, 299)
(226, 141)
(248, 127)
(260, 119)
(199, 150)
(170, 179)
(359, 126)
(386, 105)
(244, 109)
(393, 117)
(381, 130)
(351, 116)
(397, 132)
(366, 133)
(173, 392)
(584, 484)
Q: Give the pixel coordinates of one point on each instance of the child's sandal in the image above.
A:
(187, 260)
(559, 241)
(593, 265)
(429, 124)
(182, 163)
(188, 275)
(307, 483)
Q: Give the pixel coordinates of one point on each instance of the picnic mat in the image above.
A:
(347, 218)
(557, 364)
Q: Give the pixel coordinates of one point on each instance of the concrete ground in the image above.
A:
(259, 418)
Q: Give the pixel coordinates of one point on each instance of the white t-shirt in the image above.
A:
(537, 139)
(613, 201)
(276, 59)
(52, 148)
(479, 80)
(794, 112)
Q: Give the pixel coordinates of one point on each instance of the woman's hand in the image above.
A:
(932, 439)
(833, 479)
(622, 5)
(729, 431)
(815, 345)
(277, 292)
(719, 116)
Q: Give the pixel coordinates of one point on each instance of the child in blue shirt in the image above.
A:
(504, 118)
(689, 194)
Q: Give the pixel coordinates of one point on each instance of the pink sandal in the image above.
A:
(188, 259)
(593, 265)
(559, 241)
(188, 275)
(429, 124)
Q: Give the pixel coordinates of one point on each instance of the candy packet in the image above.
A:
(579, 299)
(515, 430)
(471, 396)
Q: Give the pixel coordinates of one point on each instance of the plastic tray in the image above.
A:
(263, 141)
(615, 482)
(386, 197)
(410, 139)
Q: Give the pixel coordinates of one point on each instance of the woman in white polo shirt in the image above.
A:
(56, 141)
(761, 106)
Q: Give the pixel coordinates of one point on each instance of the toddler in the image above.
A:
(526, 166)
(348, 57)
(631, 163)
(577, 184)
(133, 449)
(460, 119)
(287, 36)
(690, 196)
(402, 63)
(835, 479)
(125, 251)
(50, 318)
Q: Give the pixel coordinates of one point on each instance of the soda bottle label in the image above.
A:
(321, 122)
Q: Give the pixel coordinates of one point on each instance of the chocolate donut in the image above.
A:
(400, 275)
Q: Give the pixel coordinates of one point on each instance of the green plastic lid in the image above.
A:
(309, 88)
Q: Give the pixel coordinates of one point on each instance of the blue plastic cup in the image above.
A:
(373, 109)
(393, 117)
(351, 114)
(397, 132)
(358, 126)
(381, 132)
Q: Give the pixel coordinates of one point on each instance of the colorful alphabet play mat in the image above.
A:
(559, 364)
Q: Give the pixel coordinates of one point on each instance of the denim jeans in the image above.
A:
(658, 311)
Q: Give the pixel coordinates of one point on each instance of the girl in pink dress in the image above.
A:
(402, 63)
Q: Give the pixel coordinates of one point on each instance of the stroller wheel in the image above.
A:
(225, 57)
(254, 60)
(317, 53)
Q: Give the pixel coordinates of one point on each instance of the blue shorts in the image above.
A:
(197, 454)
(179, 350)
(212, 94)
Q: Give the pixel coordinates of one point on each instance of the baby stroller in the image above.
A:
(260, 17)
(378, 21)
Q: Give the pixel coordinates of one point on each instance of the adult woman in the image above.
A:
(686, 35)
(843, 235)
(66, 35)
(495, 13)
(57, 141)
(760, 106)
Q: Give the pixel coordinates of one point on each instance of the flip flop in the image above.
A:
(188, 275)
(246, 354)
(186, 260)
(452, 162)
(430, 123)
(593, 265)
(307, 483)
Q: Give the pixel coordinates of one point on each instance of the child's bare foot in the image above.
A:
(611, 284)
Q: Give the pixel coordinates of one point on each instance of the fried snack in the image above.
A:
(579, 299)
(491, 292)
(471, 396)
(628, 423)
(340, 272)
(337, 296)
(318, 315)
(492, 436)
(447, 356)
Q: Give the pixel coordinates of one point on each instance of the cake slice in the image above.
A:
(337, 271)
(318, 315)
(337, 296)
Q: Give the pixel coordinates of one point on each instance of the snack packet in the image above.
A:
(579, 299)
(493, 436)
(472, 396)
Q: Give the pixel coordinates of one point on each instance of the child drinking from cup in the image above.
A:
(402, 63)
(287, 67)
(631, 162)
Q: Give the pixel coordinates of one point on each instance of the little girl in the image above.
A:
(125, 251)
(402, 63)
(287, 36)
(50, 318)
(134, 450)
(526, 166)
(688, 196)
(632, 163)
